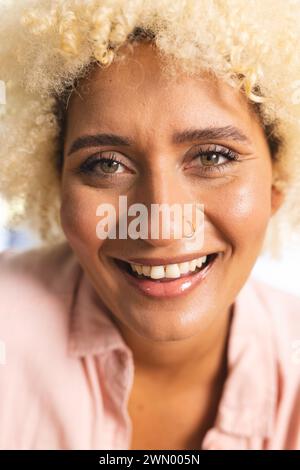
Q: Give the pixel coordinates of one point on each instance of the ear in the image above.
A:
(277, 198)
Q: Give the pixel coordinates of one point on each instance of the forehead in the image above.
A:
(136, 91)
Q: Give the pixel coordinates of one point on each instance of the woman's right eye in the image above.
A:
(102, 166)
(110, 166)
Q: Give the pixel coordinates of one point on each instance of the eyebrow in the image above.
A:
(188, 135)
(97, 140)
(210, 133)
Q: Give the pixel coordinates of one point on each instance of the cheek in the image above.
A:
(242, 211)
(78, 217)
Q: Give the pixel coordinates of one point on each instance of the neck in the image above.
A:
(200, 358)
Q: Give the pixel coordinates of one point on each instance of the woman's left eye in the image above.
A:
(212, 160)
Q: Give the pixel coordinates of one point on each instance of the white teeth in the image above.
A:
(201, 261)
(193, 265)
(157, 272)
(170, 271)
(146, 270)
(184, 267)
(139, 268)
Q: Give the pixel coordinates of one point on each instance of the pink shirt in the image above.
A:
(68, 373)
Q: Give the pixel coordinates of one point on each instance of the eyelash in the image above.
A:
(231, 157)
(88, 166)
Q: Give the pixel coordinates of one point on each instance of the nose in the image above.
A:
(170, 208)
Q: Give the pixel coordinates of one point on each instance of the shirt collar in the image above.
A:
(248, 399)
(92, 330)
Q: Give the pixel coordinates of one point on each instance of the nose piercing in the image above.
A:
(193, 230)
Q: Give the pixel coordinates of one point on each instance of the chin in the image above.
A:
(160, 325)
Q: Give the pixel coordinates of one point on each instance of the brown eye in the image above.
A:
(213, 160)
(100, 166)
(209, 158)
(109, 166)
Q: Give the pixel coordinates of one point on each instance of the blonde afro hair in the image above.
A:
(47, 45)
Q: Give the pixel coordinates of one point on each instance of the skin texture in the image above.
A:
(179, 345)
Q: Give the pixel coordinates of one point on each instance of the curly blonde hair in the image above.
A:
(46, 46)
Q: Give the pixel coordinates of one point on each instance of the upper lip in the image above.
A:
(164, 261)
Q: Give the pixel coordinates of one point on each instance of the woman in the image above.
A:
(149, 342)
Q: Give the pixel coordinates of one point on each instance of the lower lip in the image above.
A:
(172, 288)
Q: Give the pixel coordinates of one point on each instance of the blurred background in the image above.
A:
(283, 273)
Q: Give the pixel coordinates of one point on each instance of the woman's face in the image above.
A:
(135, 101)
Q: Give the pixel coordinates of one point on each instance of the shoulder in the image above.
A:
(283, 307)
(42, 269)
(43, 264)
(36, 288)
(282, 311)
(281, 323)
(36, 294)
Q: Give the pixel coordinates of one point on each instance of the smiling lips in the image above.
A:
(167, 280)
(169, 271)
